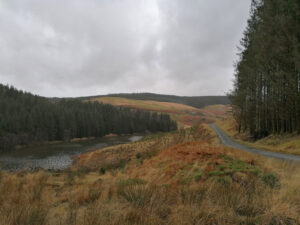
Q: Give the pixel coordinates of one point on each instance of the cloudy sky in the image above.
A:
(90, 47)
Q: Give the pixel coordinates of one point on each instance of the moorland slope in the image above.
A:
(194, 101)
(183, 177)
(185, 115)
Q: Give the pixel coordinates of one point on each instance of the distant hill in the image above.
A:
(185, 115)
(194, 101)
(187, 111)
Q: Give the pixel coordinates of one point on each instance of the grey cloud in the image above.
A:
(204, 35)
(75, 47)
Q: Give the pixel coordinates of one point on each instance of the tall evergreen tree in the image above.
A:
(266, 91)
(26, 119)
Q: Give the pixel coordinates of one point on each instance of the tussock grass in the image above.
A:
(189, 180)
(121, 200)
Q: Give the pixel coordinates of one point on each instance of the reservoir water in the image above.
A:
(56, 156)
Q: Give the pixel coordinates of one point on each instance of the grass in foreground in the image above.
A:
(179, 178)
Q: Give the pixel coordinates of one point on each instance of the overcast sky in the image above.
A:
(90, 47)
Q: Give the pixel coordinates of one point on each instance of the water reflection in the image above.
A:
(56, 156)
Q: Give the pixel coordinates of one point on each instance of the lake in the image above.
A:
(56, 156)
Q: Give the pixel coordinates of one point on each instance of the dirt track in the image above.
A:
(227, 141)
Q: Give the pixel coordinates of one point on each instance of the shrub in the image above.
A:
(140, 162)
(238, 165)
(198, 177)
(138, 155)
(270, 179)
(224, 180)
(102, 171)
(256, 171)
(227, 158)
(215, 173)
(187, 180)
(221, 167)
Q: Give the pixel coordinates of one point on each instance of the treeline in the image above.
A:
(27, 119)
(266, 95)
(195, 101)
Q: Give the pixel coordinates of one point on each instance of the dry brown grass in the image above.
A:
(131, 201)
(133, 153)
(164, 187)
(185, 115)
(168, 107)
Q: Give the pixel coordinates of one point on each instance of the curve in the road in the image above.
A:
(227, 141)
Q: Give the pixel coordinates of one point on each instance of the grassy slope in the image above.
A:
(148, 105)
(194, 101)
(185, 115)
(182, 177)
(286, 143)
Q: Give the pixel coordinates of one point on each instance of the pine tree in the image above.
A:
(265, 98)
(27, 119)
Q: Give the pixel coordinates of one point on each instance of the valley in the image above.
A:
(168, 175)
(132, 112)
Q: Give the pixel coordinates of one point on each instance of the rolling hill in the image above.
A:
(194, 101)
(185, 115)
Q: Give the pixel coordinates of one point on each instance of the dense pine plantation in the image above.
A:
(27, 119)
(266, 95)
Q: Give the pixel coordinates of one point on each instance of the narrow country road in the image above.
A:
(227, 141)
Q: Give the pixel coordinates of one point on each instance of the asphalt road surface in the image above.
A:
(227, 141)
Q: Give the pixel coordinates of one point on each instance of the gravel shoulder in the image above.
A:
(227, 141)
